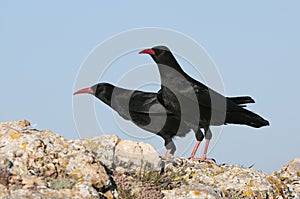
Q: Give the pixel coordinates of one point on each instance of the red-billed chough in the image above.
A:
(143, 109)
(199, 106)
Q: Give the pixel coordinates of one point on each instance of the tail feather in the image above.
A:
(246, 117)
(241, 100)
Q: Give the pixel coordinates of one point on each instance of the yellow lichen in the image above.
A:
(176, 178)
(247, 193)
(191, 175)
(14, 134)
(24, 145)
(76, 173)
(278, 185)
(250, 183)
(234, 175)
(271, 179)
(93, 181)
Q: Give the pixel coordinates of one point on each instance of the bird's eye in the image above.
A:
(158, 52)
(100, 88)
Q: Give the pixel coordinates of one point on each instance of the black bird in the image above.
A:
(199, 106)
(143, 109)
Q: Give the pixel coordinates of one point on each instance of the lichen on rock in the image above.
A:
(35, 162)
(42, 164)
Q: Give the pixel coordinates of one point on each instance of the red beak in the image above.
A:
(84, 90)
(147, 51)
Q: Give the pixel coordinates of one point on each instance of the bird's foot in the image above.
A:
(204, 159)
(169, 153)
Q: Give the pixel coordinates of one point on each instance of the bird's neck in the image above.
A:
(172, 63)
(116, 96)
(170, 70)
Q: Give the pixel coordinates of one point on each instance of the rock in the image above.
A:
(293, 166)
(102, 146)
(206, 180)
(136, 157)
(41, 164)
(198, 191)
(126, 155)
(288, 179)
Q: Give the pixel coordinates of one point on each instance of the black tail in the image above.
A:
(241, 100)
(247, 118)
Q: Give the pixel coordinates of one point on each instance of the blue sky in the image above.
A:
(255, 46)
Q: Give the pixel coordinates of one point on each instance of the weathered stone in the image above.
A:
(293, 166)
(102, 146)
(192, 192)
(289, 179)
(42, 164)
(136, 157)
(228, 181)
(119, 154)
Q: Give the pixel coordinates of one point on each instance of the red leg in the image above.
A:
(203, 157)
(195, 149)
(168, 153)
(205, 150)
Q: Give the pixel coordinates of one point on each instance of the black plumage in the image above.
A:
(143, 109)
(199, 106)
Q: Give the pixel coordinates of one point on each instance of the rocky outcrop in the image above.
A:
(205, 180)
(125, 155)
(41, 164)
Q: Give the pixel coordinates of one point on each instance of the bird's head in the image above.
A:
(160, 54)
(103, 91)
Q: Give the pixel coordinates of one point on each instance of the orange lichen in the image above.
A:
(93, 181)
(108, 195)
(197, 193)
(14, 134)
(47, 132)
